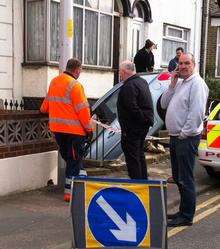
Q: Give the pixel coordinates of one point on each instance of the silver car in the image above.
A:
(107, 140)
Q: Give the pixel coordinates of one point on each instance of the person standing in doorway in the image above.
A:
(144, 59)
(185, 101)
(69, 119)
(173, 64)
(135, 114)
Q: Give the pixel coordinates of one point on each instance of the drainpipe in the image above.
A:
(13, 53)
(66, 52)
(195, 25)
(204, 35)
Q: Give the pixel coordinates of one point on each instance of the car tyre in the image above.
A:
(211, 172)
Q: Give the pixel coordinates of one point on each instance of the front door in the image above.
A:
(137, 36)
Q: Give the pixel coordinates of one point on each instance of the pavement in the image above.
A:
(40, 219)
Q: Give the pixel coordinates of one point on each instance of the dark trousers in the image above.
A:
(182, 154)
(132, 144)
(72, 150)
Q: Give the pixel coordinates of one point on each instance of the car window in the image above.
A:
(106, 112)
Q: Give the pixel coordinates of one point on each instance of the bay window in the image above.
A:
(35, 30)
(93, 31)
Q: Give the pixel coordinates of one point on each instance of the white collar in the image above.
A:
(191, 77)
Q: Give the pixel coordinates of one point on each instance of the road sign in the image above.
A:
(117, 217)
(118, 213)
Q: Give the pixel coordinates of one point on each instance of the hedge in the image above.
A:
(214, 88)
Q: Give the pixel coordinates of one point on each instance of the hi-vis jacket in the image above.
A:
(67, 106)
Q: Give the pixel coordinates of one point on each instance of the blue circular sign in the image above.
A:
(117, 217)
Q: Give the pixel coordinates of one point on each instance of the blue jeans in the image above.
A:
(182, 154)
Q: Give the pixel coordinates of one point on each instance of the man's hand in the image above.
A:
(89, 136)
(174, 79)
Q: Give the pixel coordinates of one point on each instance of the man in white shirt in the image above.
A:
(185, 101)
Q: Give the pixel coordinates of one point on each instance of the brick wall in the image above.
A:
(24, 132)
(211, 43)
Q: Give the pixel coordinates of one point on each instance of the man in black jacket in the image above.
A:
(135, 113)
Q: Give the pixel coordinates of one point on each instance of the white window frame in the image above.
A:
(217, 52)
(84, 7)
(45, 27)
(175, 28)
(166, 36)
(47, 4)
(48, 55)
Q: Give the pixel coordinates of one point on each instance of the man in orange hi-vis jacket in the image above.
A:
(69, 119)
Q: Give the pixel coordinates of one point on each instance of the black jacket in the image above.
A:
(144, 61)
(173, 64)
(135, 106)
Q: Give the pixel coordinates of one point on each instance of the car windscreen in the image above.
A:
(106, 112)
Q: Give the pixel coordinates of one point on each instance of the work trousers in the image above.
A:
(72, 150)
(132, 144)
(182, 154)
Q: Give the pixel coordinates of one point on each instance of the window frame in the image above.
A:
(48, 55)
(47, 27)
(174, 28)
(45, 33)
(217, 52)
(112, 14)
(168, 37)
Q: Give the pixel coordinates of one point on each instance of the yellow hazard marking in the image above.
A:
(213, 134)
(208, 202)
(200, 216)
(70, 28)
(214, 112)
(125, 183)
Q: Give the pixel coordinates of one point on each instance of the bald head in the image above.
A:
(126, 70)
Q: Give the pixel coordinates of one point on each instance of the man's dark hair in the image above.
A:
(148, 43)
(180, 48)
(72, 64)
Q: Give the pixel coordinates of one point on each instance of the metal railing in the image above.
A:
(103, 147)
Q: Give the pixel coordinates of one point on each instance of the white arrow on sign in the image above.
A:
(127, 230)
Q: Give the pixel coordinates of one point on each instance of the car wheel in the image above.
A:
(211, 172)
(161, 112)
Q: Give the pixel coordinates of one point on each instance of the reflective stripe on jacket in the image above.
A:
(67, 106)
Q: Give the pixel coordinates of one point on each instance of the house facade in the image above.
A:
(105, 33)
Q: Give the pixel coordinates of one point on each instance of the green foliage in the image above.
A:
(214, 88)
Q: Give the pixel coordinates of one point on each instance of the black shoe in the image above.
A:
(179, 221)
(173, 216)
